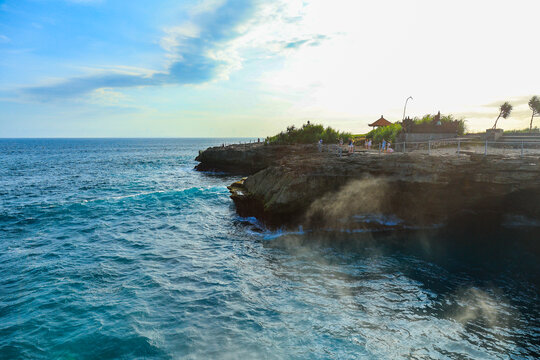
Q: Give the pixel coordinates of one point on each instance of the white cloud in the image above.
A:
(85, 1)
(107, 97)
(4, 39)
(205, 6)
(118, 69)
(356, 60)
(271, 27)
(450, 56)
(207, 47)
(174, 36)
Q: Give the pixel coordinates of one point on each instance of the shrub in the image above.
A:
(307, 134)
(428, 118)
(387, 133)
(391, 132)
(523, 131)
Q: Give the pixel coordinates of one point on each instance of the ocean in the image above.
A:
(118, 249)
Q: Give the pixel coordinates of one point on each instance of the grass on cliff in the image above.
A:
(534, 130)
(308, 134)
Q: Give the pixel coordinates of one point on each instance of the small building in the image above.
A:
(382, 122)
(434, 129)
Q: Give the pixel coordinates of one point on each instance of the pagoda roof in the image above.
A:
(381, 122)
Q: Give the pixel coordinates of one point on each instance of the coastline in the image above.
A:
(292, 186)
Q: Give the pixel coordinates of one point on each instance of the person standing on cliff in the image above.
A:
(383, 146)
(320, 145)
(340, 147)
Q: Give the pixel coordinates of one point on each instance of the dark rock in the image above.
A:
(297, 185)
(245, 158)
(321, 190)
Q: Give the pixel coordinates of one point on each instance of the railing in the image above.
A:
(457, 146)
(453, 146)
(440, 147)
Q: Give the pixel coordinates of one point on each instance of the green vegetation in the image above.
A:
(444, 119)
(385, 132)
(391, 132)
(523, 131)
(504, 112)
(307, 134)
(534, 105)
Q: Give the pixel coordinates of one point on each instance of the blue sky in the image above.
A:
(99, 68)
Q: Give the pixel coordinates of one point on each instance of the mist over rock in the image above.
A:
(366, 190)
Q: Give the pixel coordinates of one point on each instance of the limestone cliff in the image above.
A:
(367, 190)
(244, 158)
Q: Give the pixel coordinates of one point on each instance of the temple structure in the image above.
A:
(380, 123)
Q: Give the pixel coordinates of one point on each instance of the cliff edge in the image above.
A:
(369, 190)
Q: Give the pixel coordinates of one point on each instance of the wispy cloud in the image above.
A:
(514, 100)
(82, 85)
(85, 1)
(314, 40)
(195, 49)
(4, 39)
(490, 110)
(204, 48)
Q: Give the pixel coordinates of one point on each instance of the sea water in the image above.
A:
(117, 248)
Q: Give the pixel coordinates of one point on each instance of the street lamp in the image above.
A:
(405, 108)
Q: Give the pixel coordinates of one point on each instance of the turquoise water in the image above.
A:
(117, 249)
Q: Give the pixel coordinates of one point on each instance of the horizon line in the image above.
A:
(116, 137)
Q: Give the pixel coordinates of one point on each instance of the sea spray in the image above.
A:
(356, 199)
(159, 266)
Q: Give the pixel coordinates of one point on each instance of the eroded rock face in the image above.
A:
(297, 185)
(366, 190)
(245, 159)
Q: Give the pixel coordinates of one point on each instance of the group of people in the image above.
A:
(367, 144)
(350, 146)
(384, 147)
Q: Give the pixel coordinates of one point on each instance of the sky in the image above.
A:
(250, 68)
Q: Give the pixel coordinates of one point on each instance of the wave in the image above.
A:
(518, 221)
(33, 212)
(259, 229)
(188, 192)
(379, 219)
(364, 223)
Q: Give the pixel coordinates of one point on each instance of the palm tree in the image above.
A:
(504, 112)
(534, 105)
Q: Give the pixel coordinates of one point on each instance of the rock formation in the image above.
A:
(368, 190)
(244, 158)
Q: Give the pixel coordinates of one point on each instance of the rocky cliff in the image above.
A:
(245, 158)
(368, 190)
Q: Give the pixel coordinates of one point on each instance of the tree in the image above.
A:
(534, 105)
(504, 112)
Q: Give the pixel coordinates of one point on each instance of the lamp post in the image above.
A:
(405, 108)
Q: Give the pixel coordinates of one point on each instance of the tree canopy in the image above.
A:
(388, 133)
(504, 112)
(308, 134)
(534, 105)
